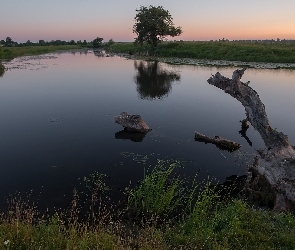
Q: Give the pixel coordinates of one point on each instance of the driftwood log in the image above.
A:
(221, 143)
(272, 174)
(132, 122)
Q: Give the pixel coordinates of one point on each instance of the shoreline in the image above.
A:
(10, 53)
(170, 60)
(207, 62)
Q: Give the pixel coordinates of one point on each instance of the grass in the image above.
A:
(170, 215)
(231, 51)
(158, 195)
(12, 52)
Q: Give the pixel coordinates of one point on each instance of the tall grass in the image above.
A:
(159, 194)
(206, 221)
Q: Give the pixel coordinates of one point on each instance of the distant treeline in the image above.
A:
(266, 41)
(8, 42)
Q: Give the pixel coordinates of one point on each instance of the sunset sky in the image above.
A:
(24, 20)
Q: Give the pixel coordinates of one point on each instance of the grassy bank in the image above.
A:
(12, 52)
(231, 51)
(161, 212)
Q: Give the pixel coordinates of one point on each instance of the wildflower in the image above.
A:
(6, 242)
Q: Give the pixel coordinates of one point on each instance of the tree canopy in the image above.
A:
(153, 24)
(8, 42)
(97, 42)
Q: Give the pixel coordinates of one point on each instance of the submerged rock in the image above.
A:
(132, 122)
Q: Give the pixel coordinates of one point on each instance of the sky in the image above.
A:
(34, 20)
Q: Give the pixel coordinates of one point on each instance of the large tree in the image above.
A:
(97, 42)
(153, 24)
(8, 42)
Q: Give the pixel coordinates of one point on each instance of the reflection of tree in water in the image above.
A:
(2, 70)
(152, 81)
(100, 53)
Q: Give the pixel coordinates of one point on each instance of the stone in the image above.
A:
(132, 122)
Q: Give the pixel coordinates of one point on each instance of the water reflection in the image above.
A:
(2, 70)
(153, 82)
(130, 135)
(100, 53)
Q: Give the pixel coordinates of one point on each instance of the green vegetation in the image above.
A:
(215, 50)
(97, 42)
(12, 52)
(162, 212)
(158, 195)
(109, 43)
(153, 24)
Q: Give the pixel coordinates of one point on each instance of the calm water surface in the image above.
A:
(57, 120)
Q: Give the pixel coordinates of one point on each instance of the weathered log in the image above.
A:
(272, 173)
(132, 122)
(220, 142)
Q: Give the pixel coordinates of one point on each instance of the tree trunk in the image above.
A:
(272, 174)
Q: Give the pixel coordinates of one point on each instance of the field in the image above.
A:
(222, 50)
(231, 51)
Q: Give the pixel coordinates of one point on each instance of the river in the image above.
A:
(57, 121)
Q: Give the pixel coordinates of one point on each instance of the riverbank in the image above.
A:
(7, 53)
(219, 54)
(236, 54)
(159, 214)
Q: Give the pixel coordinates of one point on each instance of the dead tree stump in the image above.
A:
(272, 173)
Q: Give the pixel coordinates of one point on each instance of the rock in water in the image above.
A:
(132, 122)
